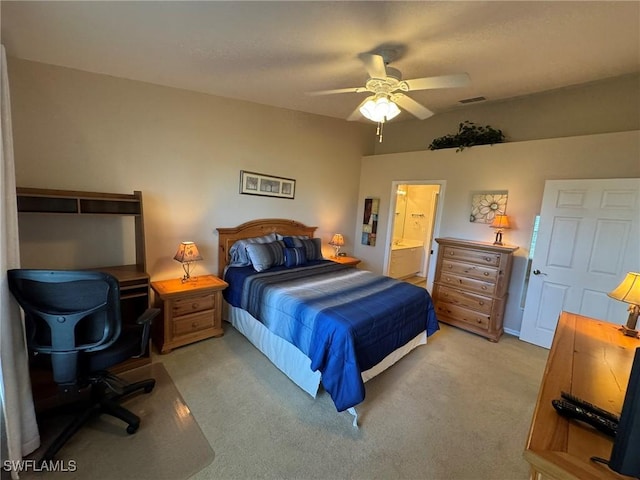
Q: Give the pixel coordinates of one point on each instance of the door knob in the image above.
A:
(538, 272)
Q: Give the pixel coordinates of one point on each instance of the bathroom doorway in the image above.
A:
(414, 214)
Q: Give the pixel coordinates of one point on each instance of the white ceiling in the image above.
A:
(273, 52)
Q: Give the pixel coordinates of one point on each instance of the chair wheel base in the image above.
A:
(131, 429)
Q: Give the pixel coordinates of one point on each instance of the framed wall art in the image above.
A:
(370, 221)
(486, 205)
(252, 183)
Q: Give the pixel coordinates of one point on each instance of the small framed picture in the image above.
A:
(252, 183)
(486, 205)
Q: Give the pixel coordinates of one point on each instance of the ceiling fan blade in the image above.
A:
(337, 90)
(411, 106)
(443, 81)
(374, 65)
(355, 115)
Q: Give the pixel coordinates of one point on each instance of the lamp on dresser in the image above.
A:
(500, 223)
(187, 254)
(629, 292)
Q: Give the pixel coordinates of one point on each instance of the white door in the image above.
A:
(587, 241)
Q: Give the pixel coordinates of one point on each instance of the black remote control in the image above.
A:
(589, 406)
(570, 410)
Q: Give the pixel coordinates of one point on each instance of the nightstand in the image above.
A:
(345, 260)
(191, 310)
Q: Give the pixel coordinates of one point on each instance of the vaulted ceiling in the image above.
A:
(273, 53)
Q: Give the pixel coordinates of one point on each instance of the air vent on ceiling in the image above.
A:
(473, 100)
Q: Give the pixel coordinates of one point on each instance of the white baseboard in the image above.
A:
(515, 333)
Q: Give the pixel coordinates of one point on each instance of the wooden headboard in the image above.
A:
(256, 228)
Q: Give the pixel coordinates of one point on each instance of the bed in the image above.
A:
(318, 321)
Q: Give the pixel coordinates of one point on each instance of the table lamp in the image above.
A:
(629, 292)
(336, 242)
(187, 254)
(500, 223)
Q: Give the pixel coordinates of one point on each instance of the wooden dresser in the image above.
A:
(590, 359)
(471, 285)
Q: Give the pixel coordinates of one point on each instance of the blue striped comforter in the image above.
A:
(344, 319)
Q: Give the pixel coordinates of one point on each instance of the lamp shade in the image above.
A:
(379, 109)
(187, 252)
(629, 290)
(337, 240)
(500, 221)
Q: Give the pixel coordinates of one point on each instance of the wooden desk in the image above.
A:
(590, 359)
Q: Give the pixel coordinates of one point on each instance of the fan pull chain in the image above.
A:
(379, 131)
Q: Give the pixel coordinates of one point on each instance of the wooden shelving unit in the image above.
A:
(133, 279)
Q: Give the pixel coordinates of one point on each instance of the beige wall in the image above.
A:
(521, 168)
(611, 105)
(184, 150)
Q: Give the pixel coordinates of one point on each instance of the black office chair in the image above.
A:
(73, 317)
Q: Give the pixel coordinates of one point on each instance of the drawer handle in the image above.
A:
(484, 287)
(194, 306)
(487, 259)
(486, 274)
(194, 324)
(481, 303)
(479, 321)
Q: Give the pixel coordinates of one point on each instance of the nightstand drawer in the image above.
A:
(192, 323)
(465, 255)
(184, 306)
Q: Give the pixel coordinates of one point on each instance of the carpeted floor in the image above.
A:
(168, 445)
(457, 408)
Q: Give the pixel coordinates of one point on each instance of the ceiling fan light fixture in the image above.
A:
(379, 109)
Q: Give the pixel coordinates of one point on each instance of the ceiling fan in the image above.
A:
(388, 90)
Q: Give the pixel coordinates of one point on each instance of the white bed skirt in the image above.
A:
(291, 361)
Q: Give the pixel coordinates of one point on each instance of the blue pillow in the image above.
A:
(282, 237)
(238, 252)
(290, 242)
(312, 248)
(265, 255)
(294, 257)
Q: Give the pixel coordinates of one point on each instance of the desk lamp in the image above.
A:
(187, 254)
(500, 223)
(629, 292)
(336, 242)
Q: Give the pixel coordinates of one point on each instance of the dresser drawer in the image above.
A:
(488, 274)
(193, 304)
(478, 286)
(464, 299)
(192, 323)
(477, 319)
(473, 256)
